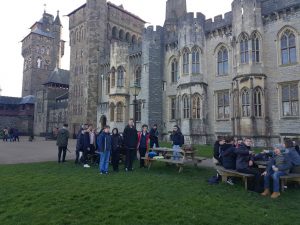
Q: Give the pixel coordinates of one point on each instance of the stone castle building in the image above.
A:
(233, 75)
(42, 50)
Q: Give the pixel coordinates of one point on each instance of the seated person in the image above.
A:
(245, 164)
(293, 155)
(279, 166)
(217, 160)
(228, 154)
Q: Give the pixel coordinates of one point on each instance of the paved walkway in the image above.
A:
(27, 152)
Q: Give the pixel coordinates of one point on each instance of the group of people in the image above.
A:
(237, 155)
(11, 134)
(108, 145)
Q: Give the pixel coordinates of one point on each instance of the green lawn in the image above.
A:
(48, 193)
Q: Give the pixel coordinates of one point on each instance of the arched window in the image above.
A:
(223, 105)
(119, 112)
(185, 61)
(222, 61)
(134, 39)
(288, 48)
(186, 107)
(138, 76)
(113, 77)
(244, 49)
(108, 85)
(174, 71)
(128, 38)
(138, 111)
(121, 35)
(112, 112)
(255, 49)
(120, 82)
(195, 61)
(196, 107)
(245, 103)
(290, 100)
(114, 32)
(257, 100)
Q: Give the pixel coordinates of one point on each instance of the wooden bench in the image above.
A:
(289, 177)
(178, 163)
(233, 173)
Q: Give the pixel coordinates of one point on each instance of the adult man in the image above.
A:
(104, 141)
(154, 137)
(62, 142)
(244, 163)
(130, 137)
(178, 140)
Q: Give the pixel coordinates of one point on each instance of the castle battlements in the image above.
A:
(218, 22)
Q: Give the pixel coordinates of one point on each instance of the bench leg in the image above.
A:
(224, 178)
(246, 183)
(149, 165)
(180, 169)
(283, 183)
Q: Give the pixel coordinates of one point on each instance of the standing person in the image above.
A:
(154, 137)
(11, 134)
(130, 138)
(92, 140)
(143, 144)
(279, 166)
(16, 135)
(178, 140)
(217, 159)
(5, 134)
(79, 144)
(245, 163)
(116, 146)
(62, 142)
(293, 155)
(85, 146)
(296, 145)
(104, 146)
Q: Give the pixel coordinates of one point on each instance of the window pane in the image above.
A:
(226, 99)
(284, 56)
(293, 55)
(220, 57)
(225, 55)
(220, 112)
(294, 92)
(227, 112)
(295, 108)
(225, 67)
(292, 42)
(285, 93)
(283, 42)
(286, 108)
(220, 69)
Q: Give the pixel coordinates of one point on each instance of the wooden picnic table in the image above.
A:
(261, 164)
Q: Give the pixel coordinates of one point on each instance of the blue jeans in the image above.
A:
(275, 176)
(176, 154)
(104, 161)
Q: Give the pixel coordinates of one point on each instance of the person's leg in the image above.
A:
(85, 154)
(77, 156)
(132, 157)
(276, 179)
(59, 153)
(267, 181)
(127, 160)
(117, 159)
(102, 160)
(142, 154)
(64, 149)
(113, 159)
(156, 143)
(106, 165)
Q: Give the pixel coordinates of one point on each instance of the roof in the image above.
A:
(39, 32)
(6, 100)
(112, 5)
(59, 76)
(57, 20)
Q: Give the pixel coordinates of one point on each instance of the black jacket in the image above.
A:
(130, 137)
(86, 141)
(116, 141)
(242, 157)
(228, 156)
(79, 142)
(177, 138)
(217, 152)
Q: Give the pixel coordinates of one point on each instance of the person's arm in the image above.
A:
(286, 165)
(239, 151)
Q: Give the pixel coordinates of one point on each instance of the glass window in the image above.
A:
(255, 49)
(244, 51)
(257, 97)
(174, 71)
(290, 100)
(185, 62)
(222, 61)
(288, 48)
(108, 85)
(245, 103)
(196, 107)
(138, 76)
(195, 61)
(119, 112)
(186, 107)
(173, 108)
(223, 105)
(112, 112)
(120, 82)
(138, 111)
(113, 77)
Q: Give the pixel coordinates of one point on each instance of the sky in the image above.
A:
(17, 16)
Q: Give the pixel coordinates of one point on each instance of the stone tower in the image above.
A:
(42, 50)
(175, 9)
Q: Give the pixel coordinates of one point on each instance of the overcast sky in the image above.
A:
(17, 16)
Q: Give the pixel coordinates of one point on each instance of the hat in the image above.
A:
(280, 147)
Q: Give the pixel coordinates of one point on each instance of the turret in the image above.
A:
(175, 9)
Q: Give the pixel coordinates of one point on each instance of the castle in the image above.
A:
(233, 75)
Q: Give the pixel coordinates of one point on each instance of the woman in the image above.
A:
(116, 146)
(143, 144)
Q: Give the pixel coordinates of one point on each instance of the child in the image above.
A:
(104, 141)
(277, 167)
(116, 146)
(143, 144)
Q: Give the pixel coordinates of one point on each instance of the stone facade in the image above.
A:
(233, 75)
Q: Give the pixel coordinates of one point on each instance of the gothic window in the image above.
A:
(288, 48)
(245, 103)
(186, 107)
(196, 106)
(185, 62)
(113, 77)
(128, 37)
(174, 71)
(121, 35)
(222, 61)
(119, 112)
(223, 105)
(290, 100)
(108, 85)
(138, 111)
(120, 81)
(195, 61)
(257, 100)
(112, 112)
(255, 49)
(173, 108)
(114, 32)
(134, 40)
(138, 76)
(244, 50)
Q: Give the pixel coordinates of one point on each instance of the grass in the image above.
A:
(52, 194)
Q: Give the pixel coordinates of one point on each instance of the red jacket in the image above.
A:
(147, 139)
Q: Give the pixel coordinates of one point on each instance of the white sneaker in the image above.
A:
(86, 166)
(229, 181)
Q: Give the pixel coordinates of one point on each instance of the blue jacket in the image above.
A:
(104, 142)
(228, 156)
(282, 162)
(294, 156)
(242, 157)
(86, 141)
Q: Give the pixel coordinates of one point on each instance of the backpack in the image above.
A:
(213, 180)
